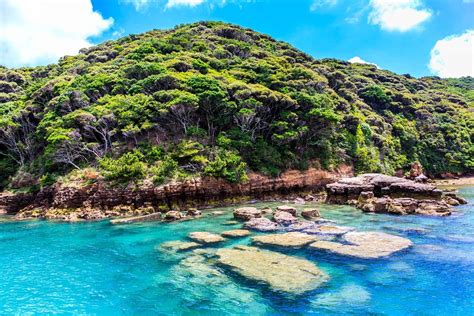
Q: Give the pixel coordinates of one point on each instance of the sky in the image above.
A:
(419, 37)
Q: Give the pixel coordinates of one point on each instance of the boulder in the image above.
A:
(286, 208)
(247, 213)
(235, 233)
(287, 240)
(134, 219)
(173, 215)
(177, 245)
(453, 195)
(193, 212)
(416, 170)
(262, 224)
(284, 218)
(205, 237)
(280, 272)
(366, 245)
(310, 213)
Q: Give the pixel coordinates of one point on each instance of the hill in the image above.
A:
(219, 100)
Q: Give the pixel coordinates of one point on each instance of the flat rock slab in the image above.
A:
(366, 245)
(235, 233)
(331, 230)
(177, 245)
(143, 218)
(247, 213)
(280, 272)
(287, 208)
(205, 237)
(284, 218)
(262, 224)
(290, 240)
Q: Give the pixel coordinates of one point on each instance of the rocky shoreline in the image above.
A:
(174, 200)
(375, 193)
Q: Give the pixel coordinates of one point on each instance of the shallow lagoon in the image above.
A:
(98, 268)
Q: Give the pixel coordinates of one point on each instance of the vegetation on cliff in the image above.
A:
(215, 99)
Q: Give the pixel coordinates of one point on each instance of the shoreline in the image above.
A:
(461, 181)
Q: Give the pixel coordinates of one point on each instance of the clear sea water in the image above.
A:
(101, 269)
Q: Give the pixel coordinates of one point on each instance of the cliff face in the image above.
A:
(196, 193)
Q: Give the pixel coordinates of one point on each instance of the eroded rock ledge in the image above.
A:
(101, 200)
(380, 193)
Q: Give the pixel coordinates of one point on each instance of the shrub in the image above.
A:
(228, 165)
(126, 168)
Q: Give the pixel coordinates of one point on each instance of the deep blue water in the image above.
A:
(98, 268)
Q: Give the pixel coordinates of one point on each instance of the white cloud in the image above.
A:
(138, 4)
(358, 60)
(453, 56)
(398, 15)
(322, 3)
(37, 32)
(188, 3)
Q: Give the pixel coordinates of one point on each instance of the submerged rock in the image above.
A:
(247, 213)
(144, 218)
(290, 240)
(280, 272)
(262, 224)
(284, 218)
(205, 237)
(235, 233)
(366, 245)
(301, 226)
(330, 230)
(177, 245)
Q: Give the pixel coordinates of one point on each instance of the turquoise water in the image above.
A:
(98, 268)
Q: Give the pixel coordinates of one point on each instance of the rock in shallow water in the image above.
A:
(366, 245)
(205, 237)
(143, 218)
(289, 240)
(177, 245)
(280, 272)
(286, 208)
(235, 233)
(262, 225)
(247, 213)
(284, 218)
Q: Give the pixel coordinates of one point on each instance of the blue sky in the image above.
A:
(404, 36)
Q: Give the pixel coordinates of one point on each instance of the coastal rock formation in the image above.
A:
(385, 194)
(247, 213)
(284, 218)
(177, 245)
(235, 233)
(347, 189)
(404, 206)
(366, 245)
(194, 192)
(262, 224)
(280, 272)
(287, 240)
(205, 237)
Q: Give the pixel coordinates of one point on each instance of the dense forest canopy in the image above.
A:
(219, 100)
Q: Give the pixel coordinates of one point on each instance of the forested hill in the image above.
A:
(216, 99)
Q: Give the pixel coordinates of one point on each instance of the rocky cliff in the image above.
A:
(199, 192)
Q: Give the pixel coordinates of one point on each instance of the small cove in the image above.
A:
(99, 268)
